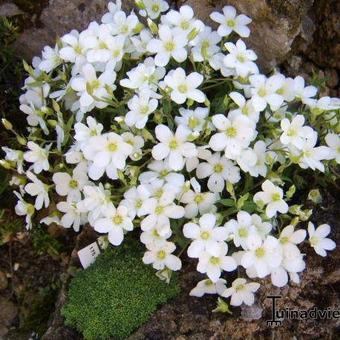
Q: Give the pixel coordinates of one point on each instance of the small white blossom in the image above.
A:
(23, 208)
(241, 292)
(233, 135)
(38, 156)
(206, 236)
(153, 8)
(114, 222)
(171, 43)
(72, 217)
(229, 22)
(184, 86)
(333, 141)
(272, 197)
(195, 120)
(219, 170)
(213, 265)
(241, 59)
(160, 256)
(172, 146)
(208, 287)
(318, 239)
(37, 188)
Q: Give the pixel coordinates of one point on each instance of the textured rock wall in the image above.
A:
(280, 29)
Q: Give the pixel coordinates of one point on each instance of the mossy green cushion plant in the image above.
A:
(115, 295)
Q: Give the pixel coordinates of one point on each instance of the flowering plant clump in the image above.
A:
(157, 123)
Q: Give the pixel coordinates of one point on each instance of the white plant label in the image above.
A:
(88, 254)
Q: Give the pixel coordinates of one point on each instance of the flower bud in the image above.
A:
(315, 196)
(153, 26)
(22, 140)
(7, 124)
(6, 165)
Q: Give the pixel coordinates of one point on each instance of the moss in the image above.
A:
(115, 295)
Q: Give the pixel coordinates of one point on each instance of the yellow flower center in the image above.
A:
(231, 23)
(161, 254)
(169, 46)
(243, 232)
(214, 260)
(159, 210)
(276, 197)
(183, 88)
(199, 198)
(231, 132)
(112, 147)
(205, 235)
(117, 219)
(218, 168)
(73, 184)
(260, 252)
(173, 144)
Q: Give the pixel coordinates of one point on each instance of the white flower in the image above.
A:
(245, 107)
(206, 236)
(184, 86)
(229, 22)
(253, 160)
(318, 106)
(141, 106)
(15, 156)
(171, 43)
(287, 89)
(39, 189)
(318, 239)
(152, 236)
(262, 256)
(173, 146)
(219, 170)
(137, 143)
(161, 170)
(96, 203)
(91, 89)
(208, 287)
(75, 46)
(84, 132)
(134, 200)
(205, 45)
(292, 263)
(213, 265)
(35, 95)
(233, 135)
(159, 212)
(241, 292)
(153, 8)
(108, 48)
(66, 185)
(301, 92)
(114, 222)
(289, 236)
(140, 43)
(240, 58)
(72, 217)
(241, 229)
(113, 8)
(263, 228)
(195, 120)
(144, 75)
(38, 156)
(294, 132)
(198, 202)
(333, 141)
(122, 24)
(310, 156)
(272, 197)
(35, 117)
(183, 19)
(160, 255)
(23, 208)
(264, 91)
(50, 59)
(108, 152)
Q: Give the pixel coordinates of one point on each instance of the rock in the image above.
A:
(332, 78)
(3, 281)
(8, 312)
(58, 18)
(9, 10)
(275, 25)
(249, 313)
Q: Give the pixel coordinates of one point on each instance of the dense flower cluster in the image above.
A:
(170, 130)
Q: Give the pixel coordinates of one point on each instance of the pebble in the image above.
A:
(3, 281)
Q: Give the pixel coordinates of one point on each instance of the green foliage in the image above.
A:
(115, 295)
(43, 242)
